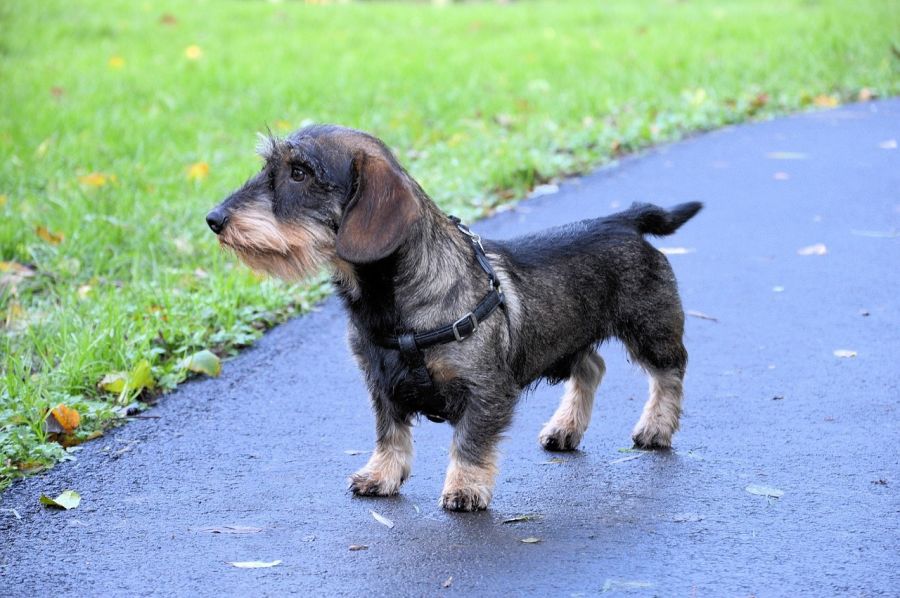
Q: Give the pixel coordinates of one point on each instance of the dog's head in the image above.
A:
(325, 194)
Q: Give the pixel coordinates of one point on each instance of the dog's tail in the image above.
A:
(654, 220)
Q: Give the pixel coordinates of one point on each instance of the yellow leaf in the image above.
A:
(95, 179)
(116, 62)
(114, 383)
(49, 236)
(825, 101)
(193, 52)
(67, 418)
(198, 171)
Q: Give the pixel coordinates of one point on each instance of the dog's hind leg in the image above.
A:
(665, 359)
(391, 461)
(566, 428)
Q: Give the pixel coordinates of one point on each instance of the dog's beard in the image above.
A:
(288, 251)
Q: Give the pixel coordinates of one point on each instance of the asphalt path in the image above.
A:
(769, 405)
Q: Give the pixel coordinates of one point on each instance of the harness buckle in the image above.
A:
(455, 327)
(476, 238)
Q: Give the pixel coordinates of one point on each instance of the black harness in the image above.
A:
(410, 344)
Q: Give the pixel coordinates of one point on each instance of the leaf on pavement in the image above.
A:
(230, 529)
(520, 518)
(530, 540)
(358, 547)
(254, 564)
(844, 353)
(764, 491)
(817, 249)
(447, 582)
(69, 499)
(702, 316)
(382, 520)
(203, 362)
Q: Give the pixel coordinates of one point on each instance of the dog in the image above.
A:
(454, 327)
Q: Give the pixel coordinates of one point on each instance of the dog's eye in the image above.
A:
(298, 174)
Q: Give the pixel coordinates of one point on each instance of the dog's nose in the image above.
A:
(216, 220)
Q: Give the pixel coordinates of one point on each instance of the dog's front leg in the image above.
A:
(469, 484)
(391, 461)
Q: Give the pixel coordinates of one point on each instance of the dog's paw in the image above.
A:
(652, 435)
(370, 483)
(557, 438)
(468, 499)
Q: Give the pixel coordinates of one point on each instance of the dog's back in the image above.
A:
(591, 280)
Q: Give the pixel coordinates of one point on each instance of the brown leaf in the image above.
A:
(49, 236)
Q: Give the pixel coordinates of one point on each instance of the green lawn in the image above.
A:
(122, 122)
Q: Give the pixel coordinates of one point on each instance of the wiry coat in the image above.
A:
(337, 197)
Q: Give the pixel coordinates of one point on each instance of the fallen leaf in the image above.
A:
(447, 582)
(675, 250)
(229, 529)
(382, 520)
(116, 62)
(141, 376)
(95, 179)
(193, 52)
(168, 19)
(764, 491)
(845, 353)
(198, 171)
(702, 316)
(254, 564)
(358, 547)
(530, 540)
(889, 144)
(519, 518)
(47, 235)
(817, 249)
(825, 101)
(66, 417)
(114, 382)
(69, 499)
(203, 362)
(786, 156)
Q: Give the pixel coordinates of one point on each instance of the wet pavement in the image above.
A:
(269, 444)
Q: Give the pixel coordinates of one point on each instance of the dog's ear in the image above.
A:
(379, 214)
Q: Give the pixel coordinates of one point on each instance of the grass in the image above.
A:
(122, 122)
